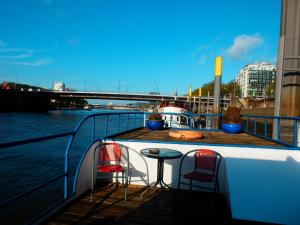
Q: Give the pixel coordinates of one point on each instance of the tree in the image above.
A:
(231, 88)
(208, 87)
(270, 89)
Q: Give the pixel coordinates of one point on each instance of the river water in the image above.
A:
(24, 167)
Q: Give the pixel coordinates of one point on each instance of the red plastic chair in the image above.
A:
(113, 159)
(206, 168)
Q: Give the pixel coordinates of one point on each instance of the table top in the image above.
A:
(164, 153)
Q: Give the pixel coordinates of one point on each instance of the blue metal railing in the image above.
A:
(277, 120)
(134, 120)
(207, 120)
(137, 119)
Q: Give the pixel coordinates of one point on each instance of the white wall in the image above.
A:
(261, 184)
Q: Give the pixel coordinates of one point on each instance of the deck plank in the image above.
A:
(156, 207)
(209, 137)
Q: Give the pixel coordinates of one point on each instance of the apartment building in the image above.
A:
(254, 78)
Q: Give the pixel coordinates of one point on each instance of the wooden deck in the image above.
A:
(156, 207)
(209, 137)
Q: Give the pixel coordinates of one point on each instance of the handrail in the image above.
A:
(33, 140)
(209, 121)
(71, 135)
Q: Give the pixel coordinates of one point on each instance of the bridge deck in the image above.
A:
(209, 137)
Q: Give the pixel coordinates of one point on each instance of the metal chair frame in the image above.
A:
(215, 174)
(120, 162)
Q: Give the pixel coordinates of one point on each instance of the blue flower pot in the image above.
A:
(232, 128)
(155, 124)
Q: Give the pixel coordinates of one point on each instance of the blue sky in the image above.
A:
(134, 45)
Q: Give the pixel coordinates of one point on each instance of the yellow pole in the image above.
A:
(217, 90)
(200, 92)
(190, 92)
(218, 66)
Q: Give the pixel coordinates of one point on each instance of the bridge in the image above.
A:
(128, 96)
(37, 97)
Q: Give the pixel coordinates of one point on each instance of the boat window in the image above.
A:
(183, 120)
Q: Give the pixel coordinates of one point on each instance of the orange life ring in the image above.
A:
(186, 134)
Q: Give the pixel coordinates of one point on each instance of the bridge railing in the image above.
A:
(108, 123)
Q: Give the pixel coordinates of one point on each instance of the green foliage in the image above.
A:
(230, 89)
(155, 116)
(270, 89)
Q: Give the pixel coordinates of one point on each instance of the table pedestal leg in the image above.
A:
(159, 177)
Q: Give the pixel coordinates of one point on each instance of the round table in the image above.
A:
(164, 154)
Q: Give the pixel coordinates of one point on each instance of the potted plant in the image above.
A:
(232, 122)
(155, 122)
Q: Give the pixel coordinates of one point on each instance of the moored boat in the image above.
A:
(175, 114)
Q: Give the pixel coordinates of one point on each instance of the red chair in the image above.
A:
(113, 159)
(205, 169)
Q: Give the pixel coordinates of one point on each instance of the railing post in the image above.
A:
(298, 133)
(278, 129)
(247, 124)
(265, 126)
(106, 125)
(127, 125)
(66, 179)
(254, 128)
(144, 119)
(93, 131)
(118, 125)
(295, 132)
(171, 117)
(211, 121)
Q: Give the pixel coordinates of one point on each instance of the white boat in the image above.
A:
(87, 107)
(174, 114)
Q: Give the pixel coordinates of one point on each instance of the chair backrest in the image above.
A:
(110, 153)
(206, 159)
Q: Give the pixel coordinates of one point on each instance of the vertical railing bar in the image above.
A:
(94, 127)
(254, 128)
(171, 117)
(127, 125)
(66, 179)
(278, 129)
(106, 125)
(134, 121)
(211, 121)
(118, 123)
(295, 132)
(265, 126)
(247, 124)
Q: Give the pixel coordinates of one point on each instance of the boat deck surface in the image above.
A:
(156, 207)
(209, 137)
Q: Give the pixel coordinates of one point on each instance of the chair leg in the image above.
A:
(117, 178)
(126, 184)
